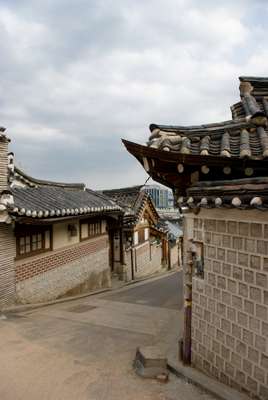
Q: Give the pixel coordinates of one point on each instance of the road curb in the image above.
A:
(210, 385)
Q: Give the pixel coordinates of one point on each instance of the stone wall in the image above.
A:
(230, 305)
(78, 268)
(174, 256)
(147, 259)
(7, 271)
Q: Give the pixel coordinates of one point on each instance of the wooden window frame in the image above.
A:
(91, 223)
(20, 232)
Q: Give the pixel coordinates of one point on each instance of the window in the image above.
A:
(32, 240)
(90, 229)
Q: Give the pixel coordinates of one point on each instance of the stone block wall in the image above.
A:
(230, 305)
(7, 271)
(147, 259)
(78, 268)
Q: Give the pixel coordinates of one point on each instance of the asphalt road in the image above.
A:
(84, 349)
(166, 292)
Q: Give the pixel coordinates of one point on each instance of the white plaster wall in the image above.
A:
(61, 235)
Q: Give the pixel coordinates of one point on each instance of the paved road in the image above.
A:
(84, 349)
(165, 293)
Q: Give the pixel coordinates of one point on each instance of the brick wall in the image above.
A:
(72, 270)
(7, 270)
(230, 306)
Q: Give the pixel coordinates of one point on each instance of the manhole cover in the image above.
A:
(81, 308)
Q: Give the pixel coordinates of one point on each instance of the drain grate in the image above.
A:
(81, 308)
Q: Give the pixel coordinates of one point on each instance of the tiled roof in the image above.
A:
(132, 200)
(34, 182)
(126, 197)
(46, 202)
(221, 164)
(246, 135)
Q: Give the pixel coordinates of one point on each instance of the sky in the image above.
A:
(76, 76)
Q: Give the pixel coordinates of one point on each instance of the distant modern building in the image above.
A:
(162, 197)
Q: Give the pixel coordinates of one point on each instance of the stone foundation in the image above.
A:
(78, 269)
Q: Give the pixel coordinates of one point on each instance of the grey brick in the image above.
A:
(249, 276)
(211, 251)
(243, 289)
(240, 377)
(211, 305)
(259, 374)
(220, 336)
(261, 280)
(247, 367)
(212, 279)
(238, 243)
(237, 302)
(262, 247)
(230, 341)
(225, 353)
(236, 360)
(236, 331)
(247, 337)
(216, 293)
(232, 227)
(216, 266)
(226, 241)
(221, 254)
(256, 230)
(241, 348)
(221, 309)
(253, 355)
(221, 226)
(216, 239)
(237, 273)
(249, 307)
(264, 392)
(255, 262)
(216, 346)
(250, 245)
(264, 361)
(226, 297)
(255, 294)
(226, 269)
(231, 256)
(265, 264)
(264, 329)
(254, 324)
(219, 363)
(210, 224)
(243, 228)
(231, 314)
(229, 369)
(242, 319)
(243, 259)
(226, 325)
(232, 287)
(261, 312)
(221, 282)
(252, 384)
(260, 343)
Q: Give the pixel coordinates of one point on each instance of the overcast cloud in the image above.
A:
(77, 76)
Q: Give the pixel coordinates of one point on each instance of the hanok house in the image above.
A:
(218, 173)
(145, 243)
(54, 237)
